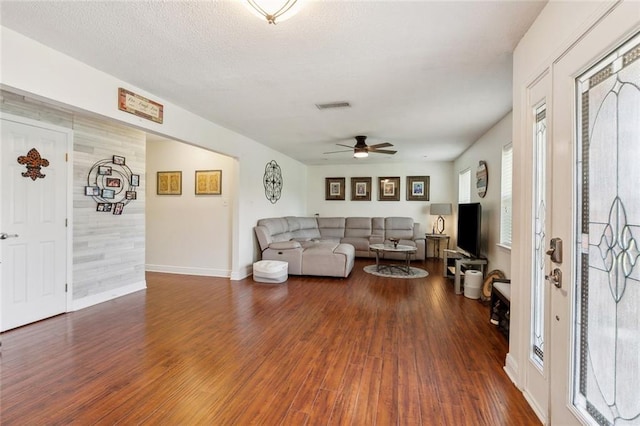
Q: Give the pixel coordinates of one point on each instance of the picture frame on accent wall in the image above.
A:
(118, 160)
(135, 180)
(92, 191)
(208, 182)
(417, 188)
(104, 207)
(108, 194)
(334, 188)
(118, 208)
(113, 182)
(104, 170)
(169, 183)
(389, 188)
(360, 189)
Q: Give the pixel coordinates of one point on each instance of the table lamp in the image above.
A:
(440, 209)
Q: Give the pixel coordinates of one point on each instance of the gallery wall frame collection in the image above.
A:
(417, 188)
(112, 184)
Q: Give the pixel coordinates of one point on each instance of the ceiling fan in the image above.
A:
(361, 149)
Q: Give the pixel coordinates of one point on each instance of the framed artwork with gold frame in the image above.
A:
(169, 183)
(208, 182)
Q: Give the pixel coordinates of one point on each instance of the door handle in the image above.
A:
(4, 236)
(555, 250)
(555, 277)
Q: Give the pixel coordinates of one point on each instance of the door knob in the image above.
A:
(555, 277)
(4, 236)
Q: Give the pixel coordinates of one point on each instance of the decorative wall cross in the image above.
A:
(34, 163)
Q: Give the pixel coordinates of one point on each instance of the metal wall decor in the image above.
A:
(272, 181)
(112, 185)
(34, 164)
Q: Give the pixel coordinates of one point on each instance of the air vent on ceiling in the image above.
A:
(334, 105)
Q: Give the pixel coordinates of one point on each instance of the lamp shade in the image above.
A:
(440, 209)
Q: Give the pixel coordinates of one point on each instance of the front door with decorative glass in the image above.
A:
(594, 321)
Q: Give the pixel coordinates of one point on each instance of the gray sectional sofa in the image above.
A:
(327, 246)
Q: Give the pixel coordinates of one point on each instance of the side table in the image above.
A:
(436, 239)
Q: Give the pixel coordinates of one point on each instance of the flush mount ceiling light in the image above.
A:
(273, 10)
(360, 153)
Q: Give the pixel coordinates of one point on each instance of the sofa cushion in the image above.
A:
(303, 228)
(398, 227)
(358, 227)
(331, 228)
(360, 244)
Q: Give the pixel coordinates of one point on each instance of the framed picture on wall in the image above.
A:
(108, 194)
(334, 188)
(389, 188)
(360, 189)
(208, 182)
(417, 188)
(135, 180)
(169, 183)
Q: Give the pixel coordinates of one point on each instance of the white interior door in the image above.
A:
(594, 320)
(33, 233)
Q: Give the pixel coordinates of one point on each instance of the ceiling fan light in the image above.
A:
(360, 153)
(273, 10)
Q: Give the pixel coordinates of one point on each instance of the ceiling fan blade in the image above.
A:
(382, 151)
(380, 145)
(342, 150)
(346, 146)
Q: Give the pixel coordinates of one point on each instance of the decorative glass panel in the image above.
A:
(506, 196)
(539, 240)
(607, 345)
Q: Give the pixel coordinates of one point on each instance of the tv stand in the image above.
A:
(455, 264)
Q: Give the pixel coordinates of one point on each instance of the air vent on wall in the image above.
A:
(334, 105)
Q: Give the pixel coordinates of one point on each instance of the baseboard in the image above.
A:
(182, 270)
(95, 299)
(511, 368)
(243, 273)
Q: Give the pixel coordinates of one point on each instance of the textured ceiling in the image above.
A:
(429, 77)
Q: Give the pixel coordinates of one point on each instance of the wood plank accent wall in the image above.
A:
(108, 250)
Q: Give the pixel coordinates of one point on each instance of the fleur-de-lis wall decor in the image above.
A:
(34, 163)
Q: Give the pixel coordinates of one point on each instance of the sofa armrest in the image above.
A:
(285, 245)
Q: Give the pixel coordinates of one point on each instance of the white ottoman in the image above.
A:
(270, 271)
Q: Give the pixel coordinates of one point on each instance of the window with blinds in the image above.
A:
(506, 196)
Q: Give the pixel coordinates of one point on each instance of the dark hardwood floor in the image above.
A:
(194, 350)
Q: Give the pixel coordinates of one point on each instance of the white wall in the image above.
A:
(31, 68)
(441, 190)
(188, 233)
(489, 149)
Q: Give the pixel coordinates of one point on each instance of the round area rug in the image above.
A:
(394, 272)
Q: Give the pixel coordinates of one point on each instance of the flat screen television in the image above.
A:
(469, 221)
